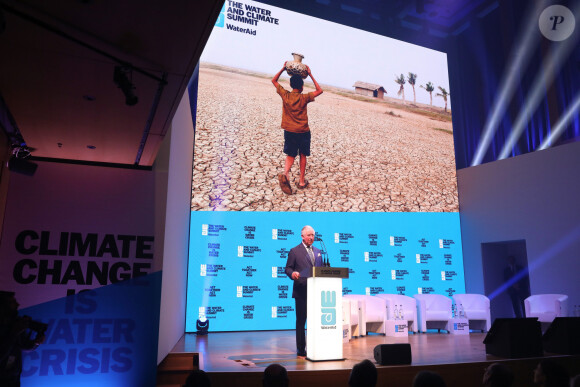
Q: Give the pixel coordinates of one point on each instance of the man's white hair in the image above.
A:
(305, 228)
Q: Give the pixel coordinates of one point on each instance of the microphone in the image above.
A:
(325, 260)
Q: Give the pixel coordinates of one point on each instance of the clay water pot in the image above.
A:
(296, 67)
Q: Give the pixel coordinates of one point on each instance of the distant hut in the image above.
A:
(369, 89)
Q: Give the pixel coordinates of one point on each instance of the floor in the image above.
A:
(253, 351)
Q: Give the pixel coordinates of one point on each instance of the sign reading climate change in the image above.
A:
(86, 281)
(93, 280)
(108, 258)
(382, 189)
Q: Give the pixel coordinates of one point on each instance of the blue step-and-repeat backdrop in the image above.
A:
(237, 260)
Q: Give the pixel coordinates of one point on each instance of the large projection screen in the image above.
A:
(382, 191)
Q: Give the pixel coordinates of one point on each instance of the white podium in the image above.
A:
(324, 315)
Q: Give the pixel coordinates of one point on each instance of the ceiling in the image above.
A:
(57, 65)
(58, 60)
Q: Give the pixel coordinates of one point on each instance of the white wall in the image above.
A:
(173, 169)
(535, 197)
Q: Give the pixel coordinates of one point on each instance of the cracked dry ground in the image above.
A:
(362, 157)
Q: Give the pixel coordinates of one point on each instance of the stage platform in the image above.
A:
(239, 358)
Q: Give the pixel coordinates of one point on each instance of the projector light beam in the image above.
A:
(550, 67)
(524, 47)
(562, 123)
(542, 259)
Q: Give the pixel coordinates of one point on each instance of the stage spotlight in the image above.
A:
(202, 326)
(121, 79)
(21, 166)
(17, 161)
(20, 151)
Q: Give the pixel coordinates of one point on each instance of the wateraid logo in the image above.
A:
(328, 307)
(222, 17)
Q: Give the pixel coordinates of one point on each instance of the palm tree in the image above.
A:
(443, 94)
(401, 81)
(412, 78)
(429, 87)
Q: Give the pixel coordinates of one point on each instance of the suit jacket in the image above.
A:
(299, 260)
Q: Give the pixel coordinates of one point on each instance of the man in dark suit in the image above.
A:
(301, 260)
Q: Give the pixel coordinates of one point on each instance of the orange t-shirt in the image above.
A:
(294, 114)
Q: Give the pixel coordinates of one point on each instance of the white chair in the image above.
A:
(476, 309)
(546, 307)
(372, 313)
(355, 314)
(375, 314)
(409, 305)
(433, 310)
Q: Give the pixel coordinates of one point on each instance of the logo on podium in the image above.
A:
(328, 308)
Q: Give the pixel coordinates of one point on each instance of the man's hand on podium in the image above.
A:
(295, 275)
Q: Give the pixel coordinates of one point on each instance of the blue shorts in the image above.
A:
(296, 142)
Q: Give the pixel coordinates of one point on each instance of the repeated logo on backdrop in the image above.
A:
(237, 261)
